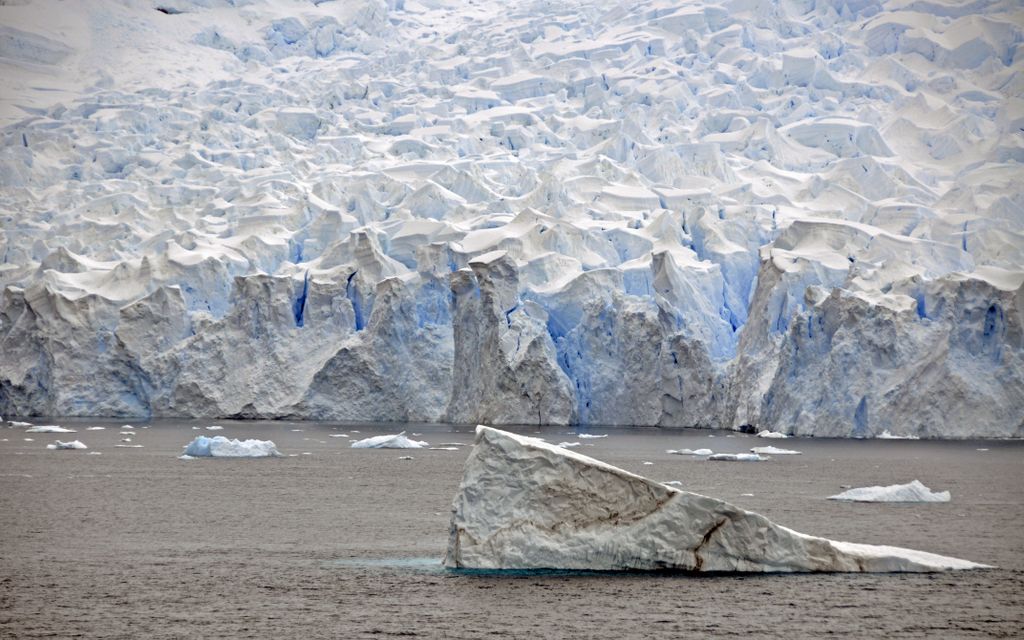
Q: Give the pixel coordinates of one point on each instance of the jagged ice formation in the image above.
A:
(805, 216)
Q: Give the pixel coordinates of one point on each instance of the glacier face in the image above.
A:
(802, 216)
(526, 504)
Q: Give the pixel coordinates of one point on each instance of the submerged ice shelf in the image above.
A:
(803, 217)
(526, 504)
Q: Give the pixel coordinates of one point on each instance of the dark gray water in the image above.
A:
(347, 543)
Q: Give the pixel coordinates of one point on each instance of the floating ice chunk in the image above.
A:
(569, 445)
(185, 456)
(74, 444)
(405, 457)
(95, 453)
(526, 504)
(95, 428)
(910, 492)
(15, 423)
(770, 434)
(885, 435)
(775, 451)
(128, 446)
(49, 428)
(221, 447)
(737, 457)
(673, 483)
(444, 448)
(591, 435)
(215, 427)
(690, 452)
(127, 427)
(338, 435)
(397, 441)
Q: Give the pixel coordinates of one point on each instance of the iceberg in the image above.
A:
(396, 441)
(221, 447)
(74, 444)
(527, 504)
(765, 433)
(690, 452)
(48, 428)
(910, 492)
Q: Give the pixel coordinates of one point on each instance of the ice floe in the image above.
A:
(396, 441)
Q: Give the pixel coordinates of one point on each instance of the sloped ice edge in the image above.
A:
(527, 504)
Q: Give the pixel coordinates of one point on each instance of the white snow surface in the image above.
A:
(910, 492)
(799, 216)
(395, 441)
(527, 504)
(74, 444)
(221, 447)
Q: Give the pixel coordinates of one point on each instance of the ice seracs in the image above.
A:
(911, 492)
(221, 447)
(800, 217)
(527, 504)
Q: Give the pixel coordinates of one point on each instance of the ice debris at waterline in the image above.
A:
(221, 447)
(715, 213)
(396, 441)
(74, 444)
(910, 492)
(527, 504)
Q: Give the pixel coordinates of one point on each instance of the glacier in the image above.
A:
(526, 504)
(803, 217)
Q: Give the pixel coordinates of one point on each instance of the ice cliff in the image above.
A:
(802, 216)
(527, 504)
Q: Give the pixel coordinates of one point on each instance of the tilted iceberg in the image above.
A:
(527, 504)
(74, 444)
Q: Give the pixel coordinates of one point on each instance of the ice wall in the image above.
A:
(804, 216)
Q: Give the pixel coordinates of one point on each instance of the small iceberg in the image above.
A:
(95, 428)
(15, 423)
(737, 457)
(690, 452)
(49, 428)
(221, 447)
(215, 427)
(771, 434)
(74, 444)
(910, 492)
(775, 451)
(397, 441)
(591, 435)
(568, 445)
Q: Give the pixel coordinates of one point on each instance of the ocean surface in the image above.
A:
(334, 542)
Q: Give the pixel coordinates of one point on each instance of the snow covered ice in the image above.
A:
(803, 217)
(774, 451)
(736, 457)
(395, 441)
(910, 492)
(527, 504)
(48, 428)
(221, 447)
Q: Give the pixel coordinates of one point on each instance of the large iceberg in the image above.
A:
(799, 217)
(527, 504)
